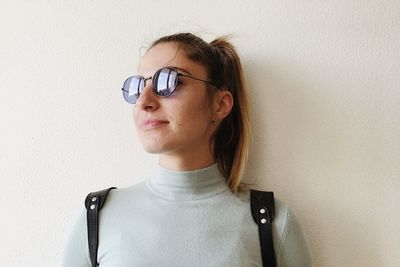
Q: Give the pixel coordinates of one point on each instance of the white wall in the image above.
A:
(324, 82)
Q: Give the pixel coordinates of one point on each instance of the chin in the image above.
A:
(153, 148)
(152, 144)
(159, 147)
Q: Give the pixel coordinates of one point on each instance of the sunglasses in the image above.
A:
(165, 81)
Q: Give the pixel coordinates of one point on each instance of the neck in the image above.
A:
(189, 163)
(188, 185)
(192, 160)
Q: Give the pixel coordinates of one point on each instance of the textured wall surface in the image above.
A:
(325, 105)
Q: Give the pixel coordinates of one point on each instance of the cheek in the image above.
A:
(194, 117)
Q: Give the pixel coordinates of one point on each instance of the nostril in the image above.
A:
(148, 108)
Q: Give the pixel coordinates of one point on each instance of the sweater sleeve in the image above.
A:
(76, 253)
(293, 249)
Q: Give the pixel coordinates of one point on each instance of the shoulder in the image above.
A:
(291, 247)
(125, 193)
(115, 207)
(119, 200)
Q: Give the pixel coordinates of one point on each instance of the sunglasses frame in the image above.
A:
(143, 80)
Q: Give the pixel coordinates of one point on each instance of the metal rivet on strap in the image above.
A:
(263, 220)
(262, 211)
(92, 206)
(94, 199)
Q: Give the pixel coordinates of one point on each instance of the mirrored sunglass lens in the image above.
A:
(132, 88)
(166, 82)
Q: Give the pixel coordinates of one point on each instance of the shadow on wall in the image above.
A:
(299, 142)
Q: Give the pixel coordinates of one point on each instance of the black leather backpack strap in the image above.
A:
(263, 212)
(93, 202)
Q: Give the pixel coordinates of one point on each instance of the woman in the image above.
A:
(192, 110)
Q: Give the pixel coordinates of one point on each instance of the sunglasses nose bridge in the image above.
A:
(145, 81)
(143, 84)
(146, 93)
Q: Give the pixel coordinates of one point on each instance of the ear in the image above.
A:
(222, 104)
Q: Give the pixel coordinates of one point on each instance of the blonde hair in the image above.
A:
(222, 62)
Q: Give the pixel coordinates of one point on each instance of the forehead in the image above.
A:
(168, 55)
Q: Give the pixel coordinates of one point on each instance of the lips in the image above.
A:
(153, 123)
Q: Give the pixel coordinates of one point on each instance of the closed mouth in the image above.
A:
(150, 124)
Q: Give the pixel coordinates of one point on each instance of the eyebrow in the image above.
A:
(181, 69)
(177, 68)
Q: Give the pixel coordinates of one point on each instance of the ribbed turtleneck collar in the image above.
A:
(188, 185)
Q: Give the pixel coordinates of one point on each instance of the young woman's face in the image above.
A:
(180, 124)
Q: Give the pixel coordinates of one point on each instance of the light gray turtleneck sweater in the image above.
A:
(184, 218)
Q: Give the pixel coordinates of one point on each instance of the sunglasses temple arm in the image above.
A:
(184, 75)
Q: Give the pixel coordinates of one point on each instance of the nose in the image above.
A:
(148, 100)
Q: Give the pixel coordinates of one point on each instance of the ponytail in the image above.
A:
(231, 146)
